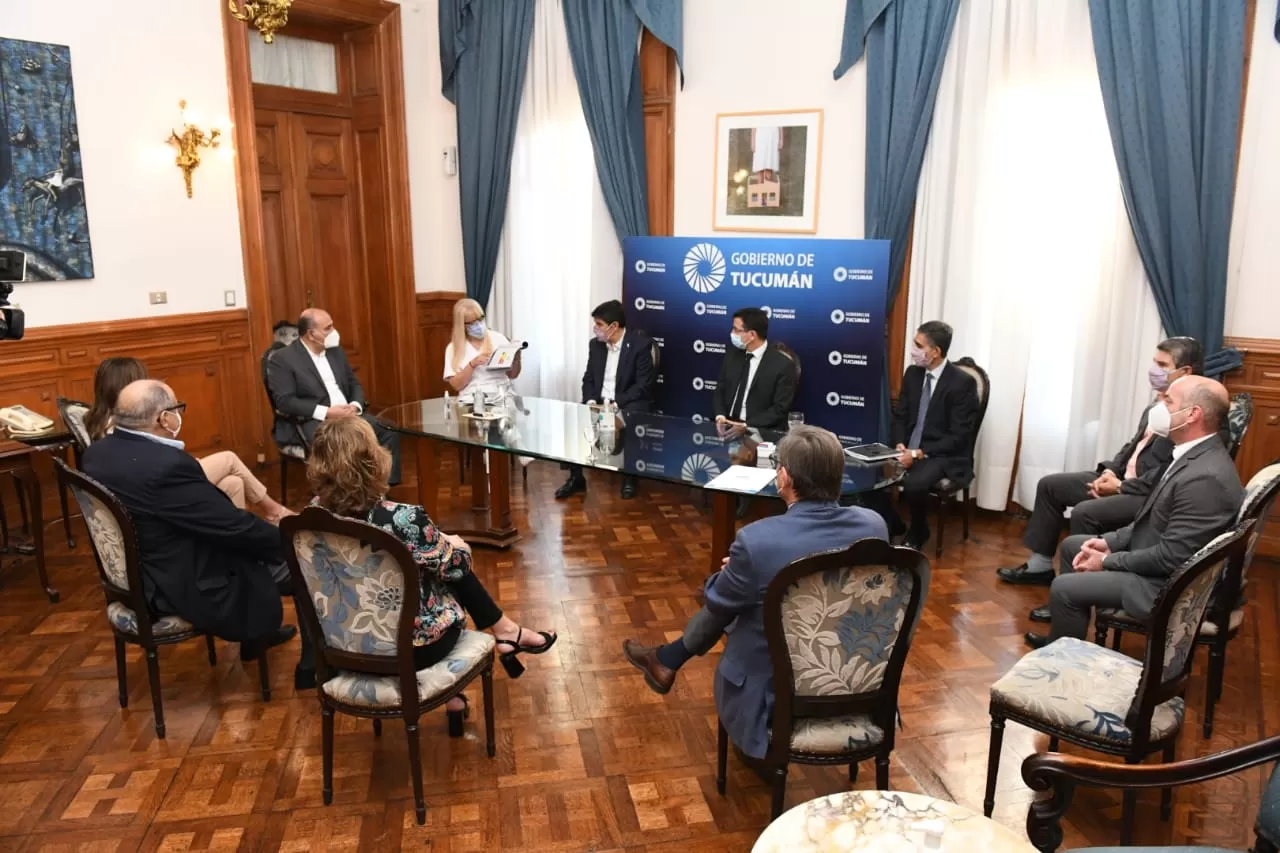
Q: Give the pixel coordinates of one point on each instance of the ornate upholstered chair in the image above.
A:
(1061, 774)
(839, 625)
(1239, 416)
(360, 610)
(73, 413)
(296, 450)
(947, 489)
(1097, 698)
(1226, 608)
(120, 571)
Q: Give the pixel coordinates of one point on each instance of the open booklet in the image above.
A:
(504, 356)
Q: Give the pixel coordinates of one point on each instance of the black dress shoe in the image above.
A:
(571, 487)
(1041, 614)
(304, 679)
(254, 649)
(1021, 576)
(1035, 641)
(630, 488)
(916, 539)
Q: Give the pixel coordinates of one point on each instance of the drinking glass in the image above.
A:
(794, 418)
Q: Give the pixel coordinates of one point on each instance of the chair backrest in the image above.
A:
(789, 353)
(115, 547)
(1176, 618)
(839, 625)
(1239, 416)
(266, 361)
(983, 383)
(73, 413)
(356, 604)
(1259, 499)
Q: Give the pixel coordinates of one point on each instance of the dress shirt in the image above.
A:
(336, 397)
(610, 383)
(158, 439)
(753, 364)
(1180, 450)
(1131, 469)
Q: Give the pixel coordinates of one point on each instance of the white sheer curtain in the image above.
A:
(1022, 244)
(560, 256)
(295, 63)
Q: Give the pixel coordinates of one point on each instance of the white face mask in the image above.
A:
(1160, 420)
(174, 432)
(331, 339)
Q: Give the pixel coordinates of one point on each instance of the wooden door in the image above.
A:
(285, 287)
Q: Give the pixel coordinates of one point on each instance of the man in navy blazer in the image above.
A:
(810, 471)
(619, 370)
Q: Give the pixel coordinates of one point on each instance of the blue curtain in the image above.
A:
(604, 37)
(484, 51)
(906, 44)
(665, 19)
(1171, 75)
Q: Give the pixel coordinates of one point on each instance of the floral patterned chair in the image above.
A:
(1239, 416)
(839, 625)
(1227, 605)
(1097, 698)
(120, 571)
(360, 611)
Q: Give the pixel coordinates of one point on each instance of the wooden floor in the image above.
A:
(588, 759)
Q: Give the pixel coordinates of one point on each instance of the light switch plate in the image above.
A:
(159, 297)
(229, 297)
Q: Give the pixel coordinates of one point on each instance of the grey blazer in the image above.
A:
(1197, 499)
(744, 678)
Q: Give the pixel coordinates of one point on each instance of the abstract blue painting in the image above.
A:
(42, 201)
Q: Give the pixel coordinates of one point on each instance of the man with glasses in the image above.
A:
(220, 568)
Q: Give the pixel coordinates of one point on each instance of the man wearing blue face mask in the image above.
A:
(757, 382)
(1107, 498)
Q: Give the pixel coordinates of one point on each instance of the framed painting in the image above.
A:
(767, 171)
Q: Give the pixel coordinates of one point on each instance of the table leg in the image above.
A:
(62, 499)
(493, 504)
(500, 495)
(724, 520)
(428, 476)
(479, 483)
(31, 483)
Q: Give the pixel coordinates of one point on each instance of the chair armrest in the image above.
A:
(1060, 774)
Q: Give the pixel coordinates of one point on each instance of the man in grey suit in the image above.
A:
(1195, 500)
(810, 471)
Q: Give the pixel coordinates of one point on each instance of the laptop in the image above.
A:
(871, 452)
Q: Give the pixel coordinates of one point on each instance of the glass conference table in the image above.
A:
(653, 447)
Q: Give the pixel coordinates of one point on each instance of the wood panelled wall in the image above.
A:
(658, 82)
(1260, 376)
(435, 326)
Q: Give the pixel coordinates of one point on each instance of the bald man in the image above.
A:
(1196, 499)
(219, 567)
(312, 381)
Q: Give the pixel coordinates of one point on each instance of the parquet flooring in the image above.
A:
(588, 759)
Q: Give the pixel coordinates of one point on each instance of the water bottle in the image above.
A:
(448, 408)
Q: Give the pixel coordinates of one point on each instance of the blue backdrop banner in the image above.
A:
(825, 300)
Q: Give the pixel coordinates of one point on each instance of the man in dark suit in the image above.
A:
(932, 428)
(619, 371)
(1196, 499)
(757, 382)
(220, 568)
(1107, 498)
(810, 472)
(312, 381)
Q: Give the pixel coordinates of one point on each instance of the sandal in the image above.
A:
(511, 659)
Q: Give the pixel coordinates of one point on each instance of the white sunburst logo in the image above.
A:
(704, 267)
(699, 468)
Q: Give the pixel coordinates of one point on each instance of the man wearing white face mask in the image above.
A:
(312, 381)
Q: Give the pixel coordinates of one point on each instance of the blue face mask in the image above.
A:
(737, 340)
(475, 329)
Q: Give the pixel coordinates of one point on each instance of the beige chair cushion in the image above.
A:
(383, 691)
(835, 735)
(126, 622)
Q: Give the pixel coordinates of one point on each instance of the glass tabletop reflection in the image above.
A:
(655, 447)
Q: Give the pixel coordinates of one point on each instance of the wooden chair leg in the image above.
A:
(157, 704)
(1100, 633)
(415, 770)
(1166, 794)
(4, 528)
(284, 479)
(882, 772)
(66, 510)
(1053, 744)
(213, 651)
(326, 751)
(1213, 689)
(377, 727)
(965, 511)
(486, 687)
(1115, 639)
(1129, 810)
(853, 771)
(993, 764)
(942, 524)
(122, 674)
(264, 677)
(779, 792)
(722, 755)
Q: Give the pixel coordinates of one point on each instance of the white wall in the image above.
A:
(1253, 287)
(129, 76)
(763, 55)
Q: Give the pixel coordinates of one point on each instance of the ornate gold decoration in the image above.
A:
(189, 143)
(266, 16)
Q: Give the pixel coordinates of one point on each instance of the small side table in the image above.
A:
(886, 822)
(15, 460)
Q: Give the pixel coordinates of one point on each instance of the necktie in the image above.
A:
(740, 395)
(924, 410)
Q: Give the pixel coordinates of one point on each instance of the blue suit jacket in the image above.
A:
(744, 678)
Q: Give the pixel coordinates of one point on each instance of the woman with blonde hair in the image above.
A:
(348, 473)
(467, 354)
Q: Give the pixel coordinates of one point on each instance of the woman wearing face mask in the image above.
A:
(224, 469)
(466, 356)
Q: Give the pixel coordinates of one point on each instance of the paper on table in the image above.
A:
(742, 478)
(504, 357)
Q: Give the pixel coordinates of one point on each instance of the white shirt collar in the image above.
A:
(158, 439)
(1180, 450)
(936, 372)
(616, 346)
(759, 353)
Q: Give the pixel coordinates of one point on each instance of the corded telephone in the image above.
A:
(21, 420)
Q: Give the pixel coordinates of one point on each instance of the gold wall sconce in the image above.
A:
(189, 143)
(266, 16)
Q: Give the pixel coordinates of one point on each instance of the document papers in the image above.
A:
(747, 479)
